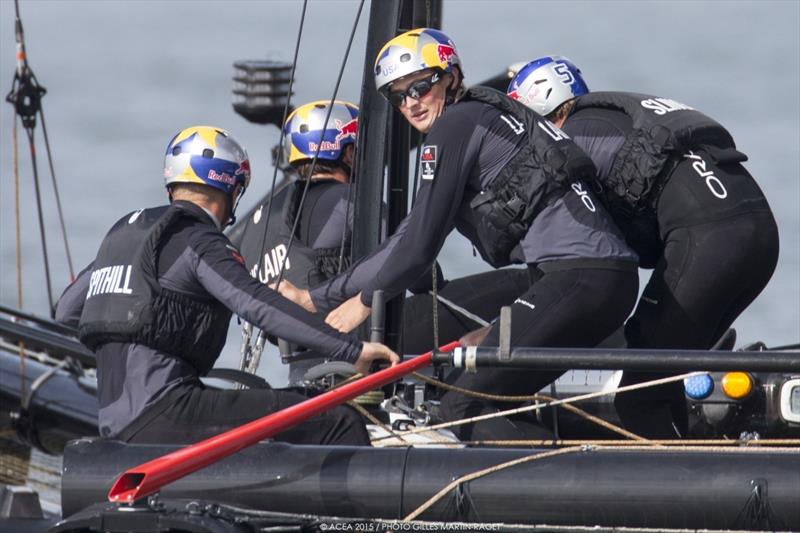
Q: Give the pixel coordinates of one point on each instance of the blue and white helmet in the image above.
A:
(546, 83)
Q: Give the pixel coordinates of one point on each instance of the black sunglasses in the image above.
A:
(416, 90)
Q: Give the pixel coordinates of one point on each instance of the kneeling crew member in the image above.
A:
(156, 303)
(673, 181)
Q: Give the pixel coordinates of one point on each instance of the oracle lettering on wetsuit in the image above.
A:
(712, 182)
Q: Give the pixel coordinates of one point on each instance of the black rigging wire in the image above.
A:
(246, 349)
(57, 196)
(319, 145)
(26, 96)
(262, 335)
(32, 146)
(282, 133)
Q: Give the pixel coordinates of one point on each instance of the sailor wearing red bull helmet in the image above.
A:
(156, 303)
(323, 229)
(673, 181)
(516, 187)
(321, 246)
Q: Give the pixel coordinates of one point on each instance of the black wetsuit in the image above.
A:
(147, 395)
(321, 232)
(586, 273)
(712, 239)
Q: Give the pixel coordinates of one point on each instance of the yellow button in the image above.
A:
(737, 385)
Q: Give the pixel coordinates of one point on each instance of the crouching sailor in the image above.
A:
(673, 181)
(156, 303)
(513, 185)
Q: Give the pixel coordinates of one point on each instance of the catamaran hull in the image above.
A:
(665, 488)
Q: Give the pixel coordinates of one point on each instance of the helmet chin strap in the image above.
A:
(450, 93)
(232, 216)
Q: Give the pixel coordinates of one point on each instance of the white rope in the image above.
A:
(537, 405)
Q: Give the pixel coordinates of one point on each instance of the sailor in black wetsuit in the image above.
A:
(322, 235)
(321, 245)
(513, 184)
(156, 303)
(673, 181)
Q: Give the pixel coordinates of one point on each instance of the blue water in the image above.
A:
(123, 77)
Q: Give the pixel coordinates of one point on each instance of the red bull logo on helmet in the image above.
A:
(243, 171)
(348, 130)
(446, 52)
(222, 177)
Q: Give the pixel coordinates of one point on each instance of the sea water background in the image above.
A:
(124, 76)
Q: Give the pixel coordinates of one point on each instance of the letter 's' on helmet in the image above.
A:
(413, 51)
(303, 133)
(207, 156)
(546, 83)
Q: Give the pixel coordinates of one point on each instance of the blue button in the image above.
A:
(699, 387)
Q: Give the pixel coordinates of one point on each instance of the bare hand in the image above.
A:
(373, 351)
(475, 337)
(347, 316)
(299, 296)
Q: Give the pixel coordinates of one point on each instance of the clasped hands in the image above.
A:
(344, 318)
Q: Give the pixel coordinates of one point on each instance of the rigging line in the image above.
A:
(485, 472)
(247, 328)
(458, 309)
(571, 399)
(31, 144)
(296, 221)
(57, 195)
(282, 133)
(789, 443)
(18, 253)
(262, 335)
(369, 416)
(535, 397)
(25, 96)
(563, 451)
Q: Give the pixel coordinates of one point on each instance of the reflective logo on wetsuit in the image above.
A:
(584, 196)
(110, 280)
(662, 106)
(427, 162)
(516, 126)
(273, 261)
(134, 216)
(712, 182)
(553, 131)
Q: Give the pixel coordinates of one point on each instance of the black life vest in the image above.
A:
(663, 130)
(497, 218)
(125, 302)
(306, 267)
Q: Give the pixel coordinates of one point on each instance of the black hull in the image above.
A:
(62, 408)
(664, 488)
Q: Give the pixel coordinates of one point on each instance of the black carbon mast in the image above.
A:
(384, 144)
